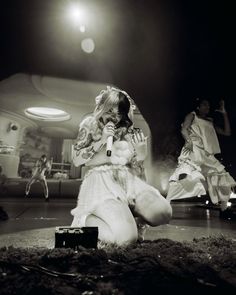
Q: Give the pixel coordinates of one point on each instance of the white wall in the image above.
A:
(10, 162)
(7, 136)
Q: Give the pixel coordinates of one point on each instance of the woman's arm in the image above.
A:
(226, 131)
(37, 164)
(185, 131)
(85, 147)
(186, 125)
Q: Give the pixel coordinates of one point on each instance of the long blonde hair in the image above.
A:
(111, 97)
(106, 100)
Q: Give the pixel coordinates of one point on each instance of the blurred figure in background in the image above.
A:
(42, 166)
(197, 163)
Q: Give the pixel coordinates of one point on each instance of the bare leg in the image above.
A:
(219, 193)
(28, 186)
(153, 208)
(115, 222)
(45, 187)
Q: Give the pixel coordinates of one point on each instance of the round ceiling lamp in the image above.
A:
(47, 114)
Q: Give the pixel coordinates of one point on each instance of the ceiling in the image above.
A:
(77, 98)
(21, 91)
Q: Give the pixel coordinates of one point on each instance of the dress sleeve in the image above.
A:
(85, 147)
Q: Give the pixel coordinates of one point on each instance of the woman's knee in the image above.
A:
(104, 232)
(163, 216)
(125, 235)
(119, 220)
(153, 208)
(159, 215)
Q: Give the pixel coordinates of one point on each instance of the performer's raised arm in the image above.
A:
(226, 130)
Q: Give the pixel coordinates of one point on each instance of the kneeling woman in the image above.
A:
(114, 194)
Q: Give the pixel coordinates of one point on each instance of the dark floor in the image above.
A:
(32, 222)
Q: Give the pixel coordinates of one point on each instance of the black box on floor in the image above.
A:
(73, 237)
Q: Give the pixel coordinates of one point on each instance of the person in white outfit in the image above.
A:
(198, 169)
(114, 195)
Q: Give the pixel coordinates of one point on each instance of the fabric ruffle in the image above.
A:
(121, 153)
(188, 186)
(220, 186)
(187, 166)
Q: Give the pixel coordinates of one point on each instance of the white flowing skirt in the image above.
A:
(200, 167)
(107, 182)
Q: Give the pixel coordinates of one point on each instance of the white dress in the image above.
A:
(113, 180)
(199, 171)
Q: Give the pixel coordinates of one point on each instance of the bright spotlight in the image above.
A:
(77, 14)
(88, 45)
(207, 202)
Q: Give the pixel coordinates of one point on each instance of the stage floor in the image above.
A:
(32, 222)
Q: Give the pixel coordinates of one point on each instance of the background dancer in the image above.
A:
(197, 163)
(41, 167)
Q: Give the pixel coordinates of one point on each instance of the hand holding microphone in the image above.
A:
(107, 136)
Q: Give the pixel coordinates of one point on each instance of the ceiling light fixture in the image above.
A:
(47, 114)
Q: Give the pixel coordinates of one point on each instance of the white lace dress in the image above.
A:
(114, 180)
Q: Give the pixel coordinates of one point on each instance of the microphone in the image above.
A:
(109, 143)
